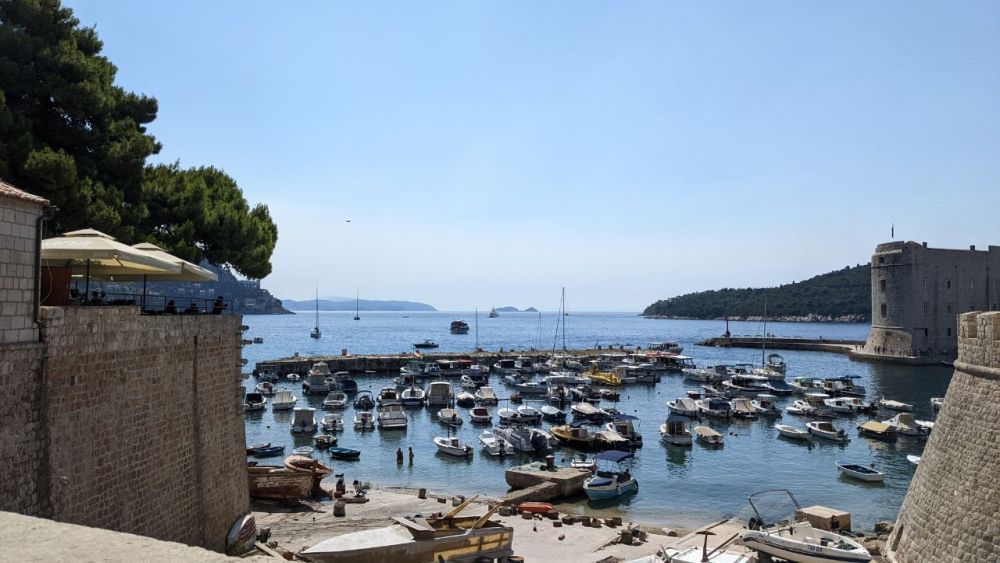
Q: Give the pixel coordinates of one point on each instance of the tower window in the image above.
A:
(949, 331)
(881, 259)
(948, 284)
(884, 310)
(881, 284)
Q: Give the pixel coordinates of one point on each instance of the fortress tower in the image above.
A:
(918, 291)
(950, 513)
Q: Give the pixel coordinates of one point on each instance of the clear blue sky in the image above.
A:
(488, 153)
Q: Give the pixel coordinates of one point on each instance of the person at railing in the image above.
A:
(218, 306)
(170, 308)
(192, 309)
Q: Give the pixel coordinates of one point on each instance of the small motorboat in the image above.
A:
(528, 415)
(581, 461)
(449, 417)
(335, 400)
(265, 388)
(388, 395)
(284, 400)
(324, 440)
(627, 426)
(800, 407)
(587, 411)
(485, 396)
(937, 403)
(480, 415)
(332, 422)
(495, 445)
(895, 405)
(465, 399)
(847, 405)
(766, 405)
(459, 327)
(683, 406)
(364, 401)
(391, 416)
(344, 453)
(715, 408)
(254, 402)
(826, 431)
(612, 478)
(304, 451)
(575, 435)
(707, 436)
(466, 382)
(426, 344)
(412, 397)
(877, 430)
(741, 407)
(860, 472)
(905, 424)
(552, 414)
(451, 445)
(364, 420)
(293, 377)
(793, 432)
(531, 388)
(343, 381)
(268, 451)
(535, 507)
(914, 459)
(303, 420)
(674, 430)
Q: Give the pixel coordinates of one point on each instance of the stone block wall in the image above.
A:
(22, 431)
(952, 510)
(17, 269)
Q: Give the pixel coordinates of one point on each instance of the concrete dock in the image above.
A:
(543, 485)
(821, 345)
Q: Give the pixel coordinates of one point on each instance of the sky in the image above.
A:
(490, 153)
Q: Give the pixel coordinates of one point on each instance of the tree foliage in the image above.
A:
(68, 133)
(834, 294)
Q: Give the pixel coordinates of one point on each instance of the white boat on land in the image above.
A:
(675, 431)
(694, 555)
(895, 405)
(480, 415)
(683, 406)
(708, 436)
(914, 459)
(449, 417)
(827, 431)
(937, 403)
(303, 420)
(335, 400)
(333, 422)
(793, 432)
(905, 424)
(495, 445)
(364, 420)
(485, 396)
(412, 397)
(391, 417)
(283, 401)
(800, 542)
(860, 472)
(439, 393)
(451, 445)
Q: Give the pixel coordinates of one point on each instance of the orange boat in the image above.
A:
(535, 507)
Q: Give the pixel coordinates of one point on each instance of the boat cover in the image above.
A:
(879, 427)
(614, 456)
(599, 482)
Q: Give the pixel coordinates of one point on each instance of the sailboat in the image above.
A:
(315, 333)
(357, 304)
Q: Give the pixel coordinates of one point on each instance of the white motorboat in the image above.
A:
(914, 459)
(506, 367)
(480, 415)
(626, 426)
(803, 385)
(468, 383)
(588, 411)
(905, 424)
(449, 417)
(254, 402)
(528, 414)
(683, 406)
(741, 407)
(332, 422)
(335, 400)
(826, 431)
(674, 431)
(694, 555)
(388, 395)
(465, 399)
(364, 401)
(412, 397)
(713, 407)
(265, 388)
(391, 416)
(303, 420)
(316, 381)
(521, 438)
(451, 445)
(709, 374)
(800, 407)
(847, 405)
(439, 394)
(613, 477)
(495, 445)
(293, 377)
(364, 420)
(707, 436)
(283, 401)
(937, 403)
(766, 404)
(895, 405)
(485, 396)
(801, 543)
(860, 472)
(531, 388)
(552, 414)
(793, 432)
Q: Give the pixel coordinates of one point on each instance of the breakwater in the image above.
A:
(804, 344)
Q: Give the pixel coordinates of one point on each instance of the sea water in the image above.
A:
(679, 487)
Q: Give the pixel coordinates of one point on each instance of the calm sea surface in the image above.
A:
(677, 487)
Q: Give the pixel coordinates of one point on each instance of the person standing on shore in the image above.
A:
(411, 455)
(399, 456)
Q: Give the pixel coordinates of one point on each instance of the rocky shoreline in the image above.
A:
(781, 319)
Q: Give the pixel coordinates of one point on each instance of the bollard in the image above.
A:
(550, 462)
(339, 508)
(422, 494)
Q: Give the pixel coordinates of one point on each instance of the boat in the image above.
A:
(741, 407)
(459, 327)
(391, 416)
(847, 405)
(364, 401)
(316, 380)
(574, 435)
(268, 451)
(303, 420)
(843, 386)
(506, 366)
(254, 402)
(465, 399)
(669, 347)
(315, 332)
(860, 472)
(531, 388)
(467, 382)
(493, 313)
(683, 406)
(344, 453)
(581, 461)
(495, 445)
(800, 542)
(439, 393)
(612, 478)
(278, 483)
(914, 459)
(747, 385)
(803, 385)
(675, 431)
(364, 420)
(587, 411)
(342, 381)
(778, 387)
(895, 405)
(905, 424)
(800, 407)
(603, 377)
(937, 403)
(766, 404)
(283, 400)
(706, 375)
(449, 417)
(877, 430)
(480, 415)
(293, 377)
(332, 422)
(304, 451)
(265, 388)
(485, 396)
(451, 445)
(715, 408)
(335, 400)
(528, 415)
(311, 467)
(412, 397)
(415, 538)
(827, 431)
(324, 440)
(552, 414)
(388, 395)
(707, 436)
(793, 432)
(626, 426)
(426, 344)
(694, 555)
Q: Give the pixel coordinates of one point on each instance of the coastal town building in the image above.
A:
(114, 418)
(917, 293)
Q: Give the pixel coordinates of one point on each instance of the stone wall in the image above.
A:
(952, 510)
(17, 269)
(22, 432)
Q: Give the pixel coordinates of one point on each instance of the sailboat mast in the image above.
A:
(477, 329)
(564, 317)
(763, 341)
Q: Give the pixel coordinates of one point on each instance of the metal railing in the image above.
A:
(155, 304)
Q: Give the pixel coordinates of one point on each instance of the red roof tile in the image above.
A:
(8, 190)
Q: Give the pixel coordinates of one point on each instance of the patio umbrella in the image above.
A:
(90, 252)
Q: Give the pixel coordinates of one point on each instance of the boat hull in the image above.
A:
(614, 490)
(279, 483)
(799, 552)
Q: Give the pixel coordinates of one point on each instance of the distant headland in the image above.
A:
(509, 309)
(362, 305)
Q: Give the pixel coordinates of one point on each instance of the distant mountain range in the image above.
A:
(346, 304)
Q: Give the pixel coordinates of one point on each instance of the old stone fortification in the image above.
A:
(952, 511)
(18, 212)
(918, 291)
(127, 422)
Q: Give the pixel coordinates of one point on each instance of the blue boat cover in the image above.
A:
(614, 456)
(599, 482)
(579, 423)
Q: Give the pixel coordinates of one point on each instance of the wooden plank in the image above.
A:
(269, 551)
